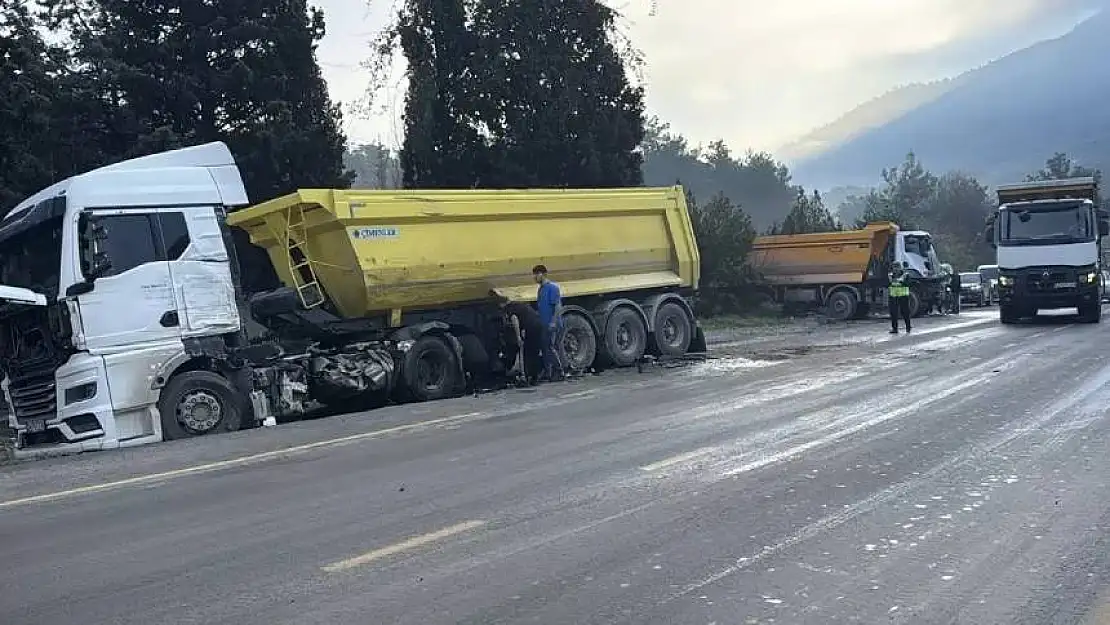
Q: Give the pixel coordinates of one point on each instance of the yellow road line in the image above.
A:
(234, 462)
(405, 545)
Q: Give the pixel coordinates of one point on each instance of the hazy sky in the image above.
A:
(756, 73)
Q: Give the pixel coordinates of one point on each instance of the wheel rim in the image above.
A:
(430, 371)
(199, 411)
(625, 340)
(574, 346)
(670, 332)
(840, 305)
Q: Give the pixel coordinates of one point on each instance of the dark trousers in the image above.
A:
(899, 307)
(552, 363)
(533, 358)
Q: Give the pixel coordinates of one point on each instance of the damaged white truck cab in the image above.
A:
(105, 277)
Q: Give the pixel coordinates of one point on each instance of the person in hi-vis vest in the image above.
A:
(898, 296)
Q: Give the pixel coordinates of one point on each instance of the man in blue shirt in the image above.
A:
(549, 302)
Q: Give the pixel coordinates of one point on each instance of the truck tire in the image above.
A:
(625, 337)
(431, 369)
(841, 305)
(915, 304)
(1091, 313)
(195, 403)
(578, 343)
(672, 330)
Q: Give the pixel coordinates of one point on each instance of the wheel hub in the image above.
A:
(199, 411)
(624, 337)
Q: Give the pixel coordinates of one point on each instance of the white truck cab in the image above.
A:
(1049, 238)
(105, 277)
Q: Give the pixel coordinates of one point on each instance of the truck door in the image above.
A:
(131, 302)
(200, 271)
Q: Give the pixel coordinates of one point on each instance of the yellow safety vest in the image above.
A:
(898, 288)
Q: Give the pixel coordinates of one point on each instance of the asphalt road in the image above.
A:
(956, 475)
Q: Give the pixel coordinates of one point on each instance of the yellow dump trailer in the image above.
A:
(846, 272)
(823, 257)
(381, 252)
(418, 268)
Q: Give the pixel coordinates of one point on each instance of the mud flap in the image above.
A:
(698, 344)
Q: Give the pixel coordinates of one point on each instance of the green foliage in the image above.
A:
(755, 181)
(509, 94)
(29, 68)
(808, 215)
(725, 235)
(240, 72)
(375, 166)
(1060, 166)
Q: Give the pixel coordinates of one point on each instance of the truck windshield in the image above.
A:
(989, 272)
(918, 244)
(32, 259)
(969, 278)
(1046, 224)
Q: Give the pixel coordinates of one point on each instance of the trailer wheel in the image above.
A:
(625, 337)
(672, 330)
(842, 305)
(578, 343)
(431, 369)
(195, 403)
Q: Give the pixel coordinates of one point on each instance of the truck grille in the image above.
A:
(1045, 279)
(34, 397)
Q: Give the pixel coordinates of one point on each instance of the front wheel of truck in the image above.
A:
(195, 403)
(431, 369)
(1092, 313)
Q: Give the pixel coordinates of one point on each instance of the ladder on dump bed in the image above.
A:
(300, 265)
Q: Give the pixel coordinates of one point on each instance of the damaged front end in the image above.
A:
(36, 339)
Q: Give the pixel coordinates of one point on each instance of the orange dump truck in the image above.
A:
(846, 272)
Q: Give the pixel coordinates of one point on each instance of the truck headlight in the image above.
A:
(1005, 281)
(1089, 278)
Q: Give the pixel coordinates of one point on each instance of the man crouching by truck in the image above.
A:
(898, 296)
(524, 336)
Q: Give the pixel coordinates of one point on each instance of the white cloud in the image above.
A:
(753, 72)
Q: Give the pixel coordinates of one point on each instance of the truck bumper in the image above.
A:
(1048, 300)
(83, 420)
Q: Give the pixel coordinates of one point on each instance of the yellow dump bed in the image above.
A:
(381, 252)
(821, 258)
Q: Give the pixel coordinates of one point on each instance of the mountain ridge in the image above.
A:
(982, 124)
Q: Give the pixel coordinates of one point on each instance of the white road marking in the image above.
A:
(405, 545)
(680, 458)
(235, 462)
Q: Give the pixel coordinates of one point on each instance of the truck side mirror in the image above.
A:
(988, 232)
(94, 261)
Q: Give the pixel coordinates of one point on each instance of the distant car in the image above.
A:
(989, 274)
(971, 289)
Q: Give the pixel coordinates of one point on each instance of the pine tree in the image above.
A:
(28, 67)
(178, 73)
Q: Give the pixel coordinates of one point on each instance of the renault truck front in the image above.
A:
(1048, 236)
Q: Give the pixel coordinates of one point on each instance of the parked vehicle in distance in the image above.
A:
(990, 274)
(971, 288)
